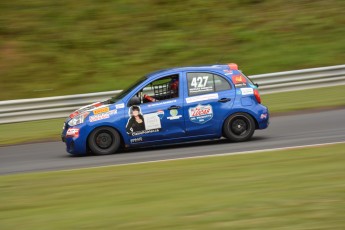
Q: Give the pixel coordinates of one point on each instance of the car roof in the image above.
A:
(219, 67)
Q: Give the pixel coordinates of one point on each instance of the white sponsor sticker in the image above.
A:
(202, 98)
(161, 103)
(152, 121)
(247, 91)
(102, 116)
(99, 117)
(120, 106)
(145, 132)
(138, 139)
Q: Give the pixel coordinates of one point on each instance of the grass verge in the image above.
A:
(290, 189)
(31, 131)
(329, 97)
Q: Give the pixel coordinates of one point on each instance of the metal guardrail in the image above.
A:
(300, 79)
(47, 107)
(57, 107)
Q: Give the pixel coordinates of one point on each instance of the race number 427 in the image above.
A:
(199, 82)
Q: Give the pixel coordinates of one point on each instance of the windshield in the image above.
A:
(126, 91)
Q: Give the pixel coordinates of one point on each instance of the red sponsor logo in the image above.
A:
(199, 111)
(237, 79)
(201, 114)
(72, 132)
(263, 116)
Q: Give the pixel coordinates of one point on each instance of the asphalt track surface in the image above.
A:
(284, 131)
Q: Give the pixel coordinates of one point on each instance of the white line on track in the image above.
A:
(205, 156)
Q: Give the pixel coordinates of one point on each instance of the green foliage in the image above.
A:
(291, 189)
(66, 47)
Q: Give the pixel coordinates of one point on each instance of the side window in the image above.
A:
(202, 83)
(221, 84)
(160, 89)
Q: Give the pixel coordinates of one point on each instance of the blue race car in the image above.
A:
(170, 106)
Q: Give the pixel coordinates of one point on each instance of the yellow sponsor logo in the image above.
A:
(101, 110)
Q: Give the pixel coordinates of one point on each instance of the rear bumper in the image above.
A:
(264, 124)
(264, 118)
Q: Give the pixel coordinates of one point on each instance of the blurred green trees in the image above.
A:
(66, 47)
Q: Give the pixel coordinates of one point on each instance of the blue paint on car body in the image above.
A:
(169, 106)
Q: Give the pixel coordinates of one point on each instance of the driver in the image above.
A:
(148, 98)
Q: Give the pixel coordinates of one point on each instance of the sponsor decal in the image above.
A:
(101, 110)
(200, 114)
(239, 80)
(102, 116)
(161, 103)
(85, 108)
(135, 140)
(228, 72)
(247, 91)
(200, 84)
(72, 132)
(120, 106)
(139, 123)
(99, 117)
(174, 115)
(263, 116)
(212, 96)
(160, 114)
(145, 132)
(152, 121)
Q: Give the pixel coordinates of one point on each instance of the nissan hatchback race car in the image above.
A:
(170, 106)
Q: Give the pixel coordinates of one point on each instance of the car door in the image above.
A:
(208, 102)
(158, 116)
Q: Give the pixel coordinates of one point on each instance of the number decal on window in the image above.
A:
(199, 82)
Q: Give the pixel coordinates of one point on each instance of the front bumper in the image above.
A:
(74, 145)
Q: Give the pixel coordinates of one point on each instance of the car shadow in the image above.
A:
(222, 141)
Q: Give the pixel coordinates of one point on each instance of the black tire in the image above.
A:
(104, 141)
(239, 127)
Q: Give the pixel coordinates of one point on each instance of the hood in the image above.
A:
(85, 108)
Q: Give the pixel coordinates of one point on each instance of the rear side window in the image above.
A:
(203, 83)
(220, 83)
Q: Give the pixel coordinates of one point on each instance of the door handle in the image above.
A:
(174, 107)
(223, 100)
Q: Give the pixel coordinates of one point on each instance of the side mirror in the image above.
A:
(134, 101)
(257, 85)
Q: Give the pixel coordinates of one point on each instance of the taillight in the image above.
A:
(257, 95)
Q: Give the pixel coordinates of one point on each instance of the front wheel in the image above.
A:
(104, 141)
(239, 127)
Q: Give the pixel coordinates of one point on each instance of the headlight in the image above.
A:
(78, 119)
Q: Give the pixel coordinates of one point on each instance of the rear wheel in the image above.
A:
(239, 127)
(104, 141)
